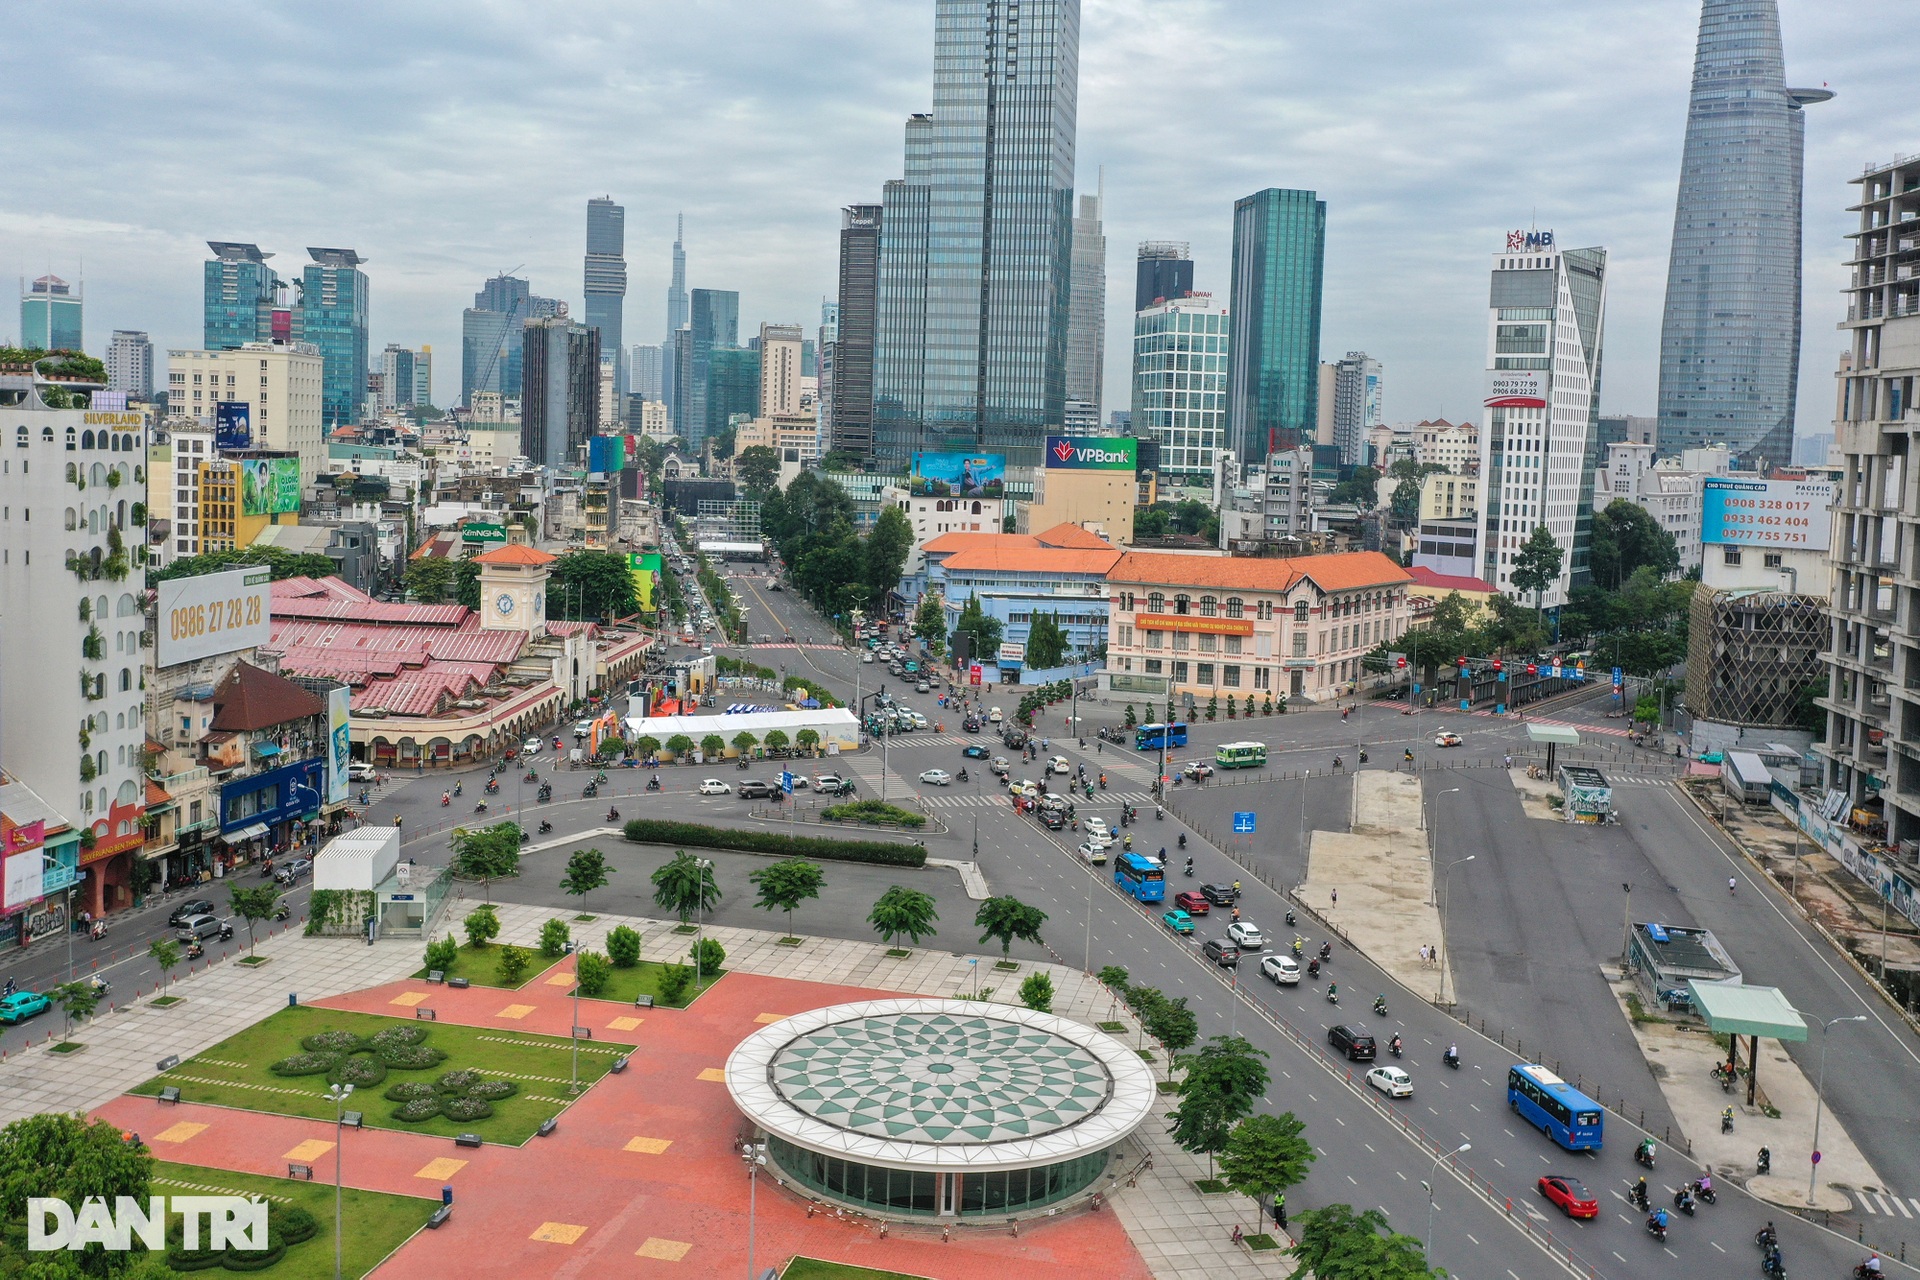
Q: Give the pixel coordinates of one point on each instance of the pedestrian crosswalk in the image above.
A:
(1632, 779)
(1885, 1204)
(1000, 799)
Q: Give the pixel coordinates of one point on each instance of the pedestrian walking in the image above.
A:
(1280, 1212)
(1423, 955)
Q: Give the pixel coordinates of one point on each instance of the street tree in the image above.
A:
(1221, 1084)
(587, 870)
(1114, 978)
(1006, 918)
(1037, 993)
(429, 578)
(807, 740)
(887, 546)
(930, 619)
(907, 913)
(745, 742)
(1627, 538)
(1266, 1154)
(487, 854)
(466, 582)
(758, 470)
(1335, 1243)
(77, 999)
(1175, 1026)
(681, 746)
(777, 740)
(685, 885)
(1536, 565)
(982, 631)
(67, 1157)
(590, 584)
(786, 884)
(253, 905)
(166, 954)
(712, 745)
(1046, 642)
(482, 925)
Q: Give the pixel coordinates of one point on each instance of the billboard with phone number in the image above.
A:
(1789, 514)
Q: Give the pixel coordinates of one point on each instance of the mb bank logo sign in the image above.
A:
(230, 1222)
(1093, 453)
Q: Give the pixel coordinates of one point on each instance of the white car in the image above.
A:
(359, 772)
(581, 728)
(715, 787)
(1280, 970)
(866, 657)
(994, 716)
(1247, 934)
(531, 747)
(1391, 1081)
(1104, 839)
(1059, 764)
(1094, 854)
(1097, 826)
(936, 777)
(706, 650)
(1024, 787)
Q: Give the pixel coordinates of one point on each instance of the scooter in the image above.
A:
(1701, 1188)
(1158, 813)
(1771, 1264)
(1290, 919)
(1393, 1046)
(1683, 1201)
(741, 764)
(283, 912)
(1451, 1057)
(653, 784)
(1637, 1194)
(589, 791)
(545, 827)
(481, 807)
(1333, 993)
(1656, 1228)
(194, 951)
(1380, 1006)
(1765, 1161)
(1643, 1154)
(1183, 839)
(1313, 968)
(100, 987)
(457, 789)
(1326, 952)
(1189, 871)
(546, 793)
(613, 815)
(1726, 1120)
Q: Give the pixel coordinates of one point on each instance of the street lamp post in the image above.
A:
(339, 1093)
(1433, 1175)
(1819, 1098)
(754, 1157)
(1433, 840)
(1444, 876)
(1626, 927)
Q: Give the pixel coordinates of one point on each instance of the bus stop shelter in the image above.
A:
(1552, 736)
(1736, 1010)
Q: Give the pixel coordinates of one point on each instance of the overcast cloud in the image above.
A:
(449, 141)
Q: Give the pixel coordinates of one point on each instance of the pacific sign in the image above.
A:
(1093, 453)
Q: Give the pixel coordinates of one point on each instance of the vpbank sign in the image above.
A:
(230, 1222)
(1093, 453)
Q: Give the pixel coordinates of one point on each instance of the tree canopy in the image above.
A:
(907, 913)
(685, 885)
(586, 585)
(786, 884)
(1536, 565)
(1046, 642)
(982, 631)
(280, 563)
(1626, 538)
(1006, 918)
(758, 470)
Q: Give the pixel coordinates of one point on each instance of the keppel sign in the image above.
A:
(1093, 453)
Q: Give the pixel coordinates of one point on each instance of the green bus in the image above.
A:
(1240, 755)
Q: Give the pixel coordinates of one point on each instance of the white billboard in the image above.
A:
(339, 743)
(1791, 515)
(1517, 389)
(214, 613)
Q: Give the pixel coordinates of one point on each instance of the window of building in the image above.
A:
(1236, 607)
(1156, 603)
(1153, 666)
(1183, 604)
(1182, 642)
(1300, 608)
(1230, 677)
(1262, 678)
(1153, 639)
(1205, 675)
(1209, 644)
(1730, 555)
(1299, 644)
(1180, 672)
(1209, 607)
(1770, 560)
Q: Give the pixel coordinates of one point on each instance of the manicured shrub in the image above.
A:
(468, 1108)
(674, 981)
(874, 813)
(410, 1057)
(292, 1226)
(708, 955)
(458, 1081)
(404, 1033)
(554, 936)
(305, 1064)
(891, 853)
(592, 971)
(410, 1090)
(415, 1110)
(255, 1259)
(623, 947)
(441, 955)
(362, 1071)
(513, 964)
(493, 1090)
(331, 1042)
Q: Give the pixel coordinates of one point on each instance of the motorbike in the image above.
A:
(545, 827)
(1726, 1076)
(1183, 839)
(1158, 813)
(589, 791)
(1290, 919)
(1643, 1154)
(1726, 1120)
(481, 807)
(283, 912)
(963, 775)
(1380, 1006)
(100, 987)
(1862, 1271)
(533, 775)
(1393, 1046)
(266, 865)
(1103, 782)
(457, 789)
(492, 788)
(613, 815)
(1772, 1265)
(1313, 968)
(1363, 756)
(194, 951)
(601, 776)
(1333, 994)
(1765, 1161)
(1766, 1237)
(1683, 1201)
(446, 799)
(1189, 871)
(1704, 1190)
(1451, 1057)
(1638, 1193)
(1656, 1228)
(653, 784)
(546, 793)
(741, 764)
(1326, 952)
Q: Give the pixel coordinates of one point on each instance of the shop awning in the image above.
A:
(266, 749)
(252, 831)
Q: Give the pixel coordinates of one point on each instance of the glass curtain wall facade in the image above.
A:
(238, 288)
(606, 282)
(733, 387)
(1273, 377)
(1730, 333)
(1087, 310)
(560, 390)
(1180, 382)
(335, 311)
(998, 1191)
(851, 411)
(1162, 271)
(976, 264)
(715, 326)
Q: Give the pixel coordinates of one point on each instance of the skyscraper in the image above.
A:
(781, 369)
(851, 413)
(1180, 382)
(1541, 441)
(643, 372)
(239, 291)
(1356, 406)
(676, 321)
(606, 282)
(334, 313)
(491, 335)
(713, 326)
(396, 377)
(1163, 271)
(130, 364)
(559, 390)
(1273, 369)
(1730, 335)
(50, 316)
(971, 338)
(1087, 307)
(733, 387)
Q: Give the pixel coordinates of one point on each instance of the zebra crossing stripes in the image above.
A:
(998, 799)
(1886, 1205)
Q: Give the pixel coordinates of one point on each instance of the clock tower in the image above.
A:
(513, 589)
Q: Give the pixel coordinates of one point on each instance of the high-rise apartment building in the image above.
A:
(643, 372)
(1180, 382)
(606, 283)
(491, 332)
(1356, 405)
(423, 375)
(851, 411)
(1730, 335)
(1087, 307)
(240, 294)
(281, 384)
(130, 364)
(1546, 311)
(975, 284)
(713, 325)
(780, 346)
(559, 390)
(335, 311)
(70, 670)
(733, 388)
(396, 377)
(827, 334)
(1273, 374)
(1873, 691)
(1162, 271)
(50, 316)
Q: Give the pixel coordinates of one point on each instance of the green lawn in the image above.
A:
(234, 1073)
(481, 967)
(376, 1223)
(815, 1269)
(644, 980)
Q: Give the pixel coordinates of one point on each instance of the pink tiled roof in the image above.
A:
(418, 693)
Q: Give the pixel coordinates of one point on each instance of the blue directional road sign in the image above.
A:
(1243, 822)
(786, 781)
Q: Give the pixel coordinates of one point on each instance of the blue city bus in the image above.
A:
(1555, 1107)
(1152, 737)
(1140, 876)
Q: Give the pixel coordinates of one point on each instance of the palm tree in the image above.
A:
(685, 885)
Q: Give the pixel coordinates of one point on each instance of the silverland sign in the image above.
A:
(1093, 453)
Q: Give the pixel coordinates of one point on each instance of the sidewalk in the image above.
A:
(1384, 878)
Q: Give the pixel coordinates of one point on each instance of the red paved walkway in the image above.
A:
(641, 1178)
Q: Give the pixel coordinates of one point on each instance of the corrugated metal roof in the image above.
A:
(357, 859)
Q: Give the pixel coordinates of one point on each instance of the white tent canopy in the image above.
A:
(835, 725)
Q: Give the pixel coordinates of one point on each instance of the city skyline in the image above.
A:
(768, 220)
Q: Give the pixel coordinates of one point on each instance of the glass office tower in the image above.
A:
(715, 326)
(1730, 335)
(1273, 374)
(970, 344)
(334, 309)
(606, 282)
(237, 294)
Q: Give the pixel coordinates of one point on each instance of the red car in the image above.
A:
(1571, 1195)
(1192, 903)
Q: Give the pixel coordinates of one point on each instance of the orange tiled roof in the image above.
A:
(1448, 581)
(1074, 536)
(958, 541)
(1033, 559)
(1339, 572)
(515, 553)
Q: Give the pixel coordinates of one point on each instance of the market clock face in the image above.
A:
(539, 604)
(504, 603)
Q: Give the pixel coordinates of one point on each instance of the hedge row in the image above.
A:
(889, 853)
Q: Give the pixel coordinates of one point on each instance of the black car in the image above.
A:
(754, 789)
(974, 751)
(187, 910)
(1220, 895)
(1225, 954)
(1014, 738)
(1352, 1041)
(971, 724)
(1053, 819)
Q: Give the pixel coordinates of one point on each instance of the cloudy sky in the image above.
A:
(448, 141)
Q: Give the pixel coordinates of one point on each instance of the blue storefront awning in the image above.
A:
(266, 749)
